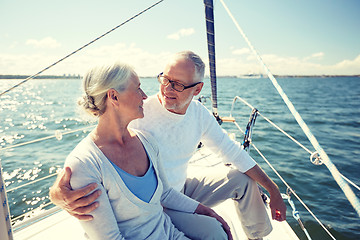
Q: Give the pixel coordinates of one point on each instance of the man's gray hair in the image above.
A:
(198, 63)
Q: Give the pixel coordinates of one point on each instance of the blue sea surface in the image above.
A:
(330, 107)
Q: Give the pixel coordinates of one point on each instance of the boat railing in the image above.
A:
(31, 216)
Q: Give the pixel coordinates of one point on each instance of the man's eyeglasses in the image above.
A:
(179, 87)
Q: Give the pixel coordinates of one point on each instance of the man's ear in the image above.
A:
(198, 88)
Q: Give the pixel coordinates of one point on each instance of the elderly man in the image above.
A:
(179, 123)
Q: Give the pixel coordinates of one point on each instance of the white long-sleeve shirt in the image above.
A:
(121, 215)
(179, 135)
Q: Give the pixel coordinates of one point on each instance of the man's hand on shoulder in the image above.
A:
(76, 202)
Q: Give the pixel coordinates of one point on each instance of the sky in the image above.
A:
(294, 37)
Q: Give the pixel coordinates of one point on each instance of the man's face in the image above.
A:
(182, 71)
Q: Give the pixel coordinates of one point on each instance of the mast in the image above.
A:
(210, 30)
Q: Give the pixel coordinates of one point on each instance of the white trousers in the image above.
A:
(212, 187)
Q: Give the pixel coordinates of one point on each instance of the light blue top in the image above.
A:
(143, 187)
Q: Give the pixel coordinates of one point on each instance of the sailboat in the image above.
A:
(57, 224)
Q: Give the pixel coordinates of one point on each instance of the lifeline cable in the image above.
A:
(332, 168)
(285, 133)
(84, 46)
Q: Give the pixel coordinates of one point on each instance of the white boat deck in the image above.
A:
(57, 224)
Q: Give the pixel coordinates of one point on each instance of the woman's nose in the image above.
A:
(144, 96)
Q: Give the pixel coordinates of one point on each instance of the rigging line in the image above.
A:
(44, 138)
(349, 181)
(285, 183)
(293, 192)
(285, 133)
(24, 215)
(37, 180)
(272, 123)
(326, 160)
(79, 49)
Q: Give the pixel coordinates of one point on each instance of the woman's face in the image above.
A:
(131, 100)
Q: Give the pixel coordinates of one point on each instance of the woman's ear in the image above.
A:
(112, 95)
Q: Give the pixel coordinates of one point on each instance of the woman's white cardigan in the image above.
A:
(121, 215)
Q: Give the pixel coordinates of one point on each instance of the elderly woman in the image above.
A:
(124, 163)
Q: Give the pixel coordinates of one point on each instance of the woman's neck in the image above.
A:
(110, 131)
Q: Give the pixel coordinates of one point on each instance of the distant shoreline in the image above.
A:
(21, 77)
(287, 76)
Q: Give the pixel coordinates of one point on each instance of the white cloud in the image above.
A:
(318, 55)
(297, 66)
(241, 51)
(280, 65)
(148, 63)
(348, 66)
(13, 45)
(181, 33)
(47, 42)
(144, 62)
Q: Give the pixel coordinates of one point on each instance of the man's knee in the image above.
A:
(236, 176)
(240, 183)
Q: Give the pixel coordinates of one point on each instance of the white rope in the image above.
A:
(352, 183)
(325, 158)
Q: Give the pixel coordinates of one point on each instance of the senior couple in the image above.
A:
(128, 178)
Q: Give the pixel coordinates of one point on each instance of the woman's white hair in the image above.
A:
(98, 80)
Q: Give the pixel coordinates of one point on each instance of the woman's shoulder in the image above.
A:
(84, 153)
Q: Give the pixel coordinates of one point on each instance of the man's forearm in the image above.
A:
(277, 205)
(258, 175)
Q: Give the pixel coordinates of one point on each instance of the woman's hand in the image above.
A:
(203, 210)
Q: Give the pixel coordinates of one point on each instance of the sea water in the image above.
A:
(330, 107)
